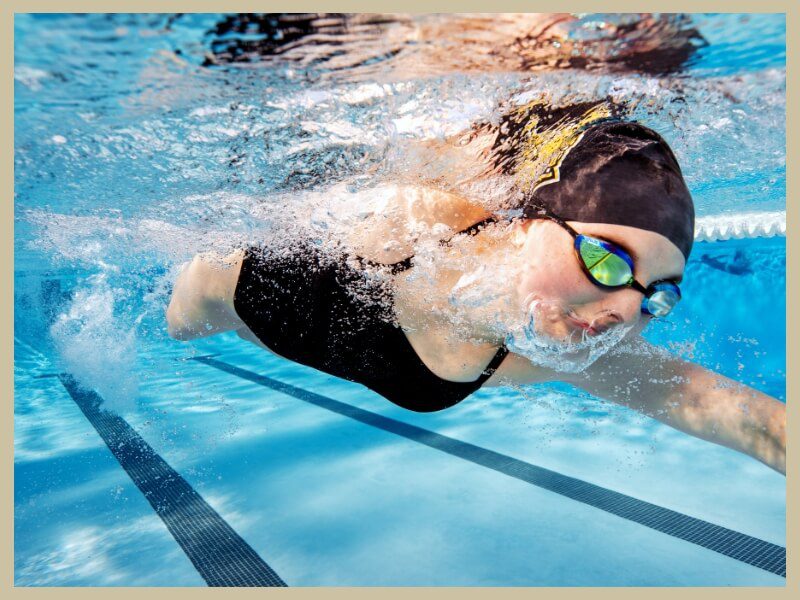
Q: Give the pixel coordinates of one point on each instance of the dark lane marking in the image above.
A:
(221, 557)
(744, 548)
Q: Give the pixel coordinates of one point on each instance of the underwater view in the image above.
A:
(157, 448)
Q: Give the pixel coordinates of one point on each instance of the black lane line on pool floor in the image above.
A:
(744, 548)
(219, 554)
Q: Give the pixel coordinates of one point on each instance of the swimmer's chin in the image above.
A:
(570, 353)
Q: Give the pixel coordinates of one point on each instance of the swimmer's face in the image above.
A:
(571, 306)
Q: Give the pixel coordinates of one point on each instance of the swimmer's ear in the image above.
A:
(520, 229)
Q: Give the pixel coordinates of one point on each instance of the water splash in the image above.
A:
(571, 354)
(96, 346)
(119, 111)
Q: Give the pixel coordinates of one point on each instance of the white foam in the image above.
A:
(30, 77)
(96, 346)
(741, 225)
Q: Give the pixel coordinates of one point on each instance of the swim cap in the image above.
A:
(621, 173)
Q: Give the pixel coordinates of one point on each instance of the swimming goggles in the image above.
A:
(609, 266)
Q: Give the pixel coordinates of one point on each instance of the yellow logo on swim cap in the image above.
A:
(543, 151)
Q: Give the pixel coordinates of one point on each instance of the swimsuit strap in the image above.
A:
(498, 358)
(404, 264)
(475, 228)
(394, 268)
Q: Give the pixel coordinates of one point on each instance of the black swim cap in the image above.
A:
(620, 173)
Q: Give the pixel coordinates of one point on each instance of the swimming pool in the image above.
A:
(131, 154)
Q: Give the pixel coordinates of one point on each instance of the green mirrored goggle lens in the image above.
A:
(606, 267)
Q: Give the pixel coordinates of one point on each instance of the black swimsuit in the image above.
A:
(331, 316)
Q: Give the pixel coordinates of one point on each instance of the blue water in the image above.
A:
(130, 156)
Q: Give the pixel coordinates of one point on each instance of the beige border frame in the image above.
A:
(7, 265)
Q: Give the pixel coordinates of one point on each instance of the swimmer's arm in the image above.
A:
(691, 399)
(202, 297)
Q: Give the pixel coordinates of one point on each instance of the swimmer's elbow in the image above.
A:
(202, 298)
(181, 322)
(180, 334)
(177, 327)
(198, 318)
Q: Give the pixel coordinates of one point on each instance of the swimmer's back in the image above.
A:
(304, 308)
(327, 315)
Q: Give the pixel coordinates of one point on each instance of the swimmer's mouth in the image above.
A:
(592, 329)
(581, 325)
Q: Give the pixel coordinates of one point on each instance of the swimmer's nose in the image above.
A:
(606, 321)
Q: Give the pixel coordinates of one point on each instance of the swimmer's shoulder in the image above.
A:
(408, 213)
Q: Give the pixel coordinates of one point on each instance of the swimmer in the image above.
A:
(395, 46)
(437, 295)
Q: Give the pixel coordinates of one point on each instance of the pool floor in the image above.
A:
(326, 500)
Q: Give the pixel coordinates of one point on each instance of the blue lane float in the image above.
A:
(739, 546)
(219, 554)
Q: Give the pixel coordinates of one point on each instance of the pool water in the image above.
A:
(137, 145)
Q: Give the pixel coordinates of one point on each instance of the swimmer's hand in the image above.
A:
(692, 399)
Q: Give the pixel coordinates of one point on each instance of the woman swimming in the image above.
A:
(437, 295)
